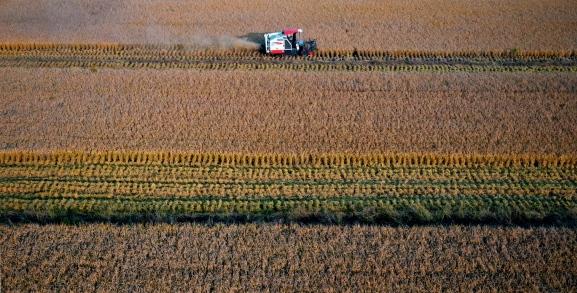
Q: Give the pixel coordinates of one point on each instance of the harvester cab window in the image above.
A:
(287, 45)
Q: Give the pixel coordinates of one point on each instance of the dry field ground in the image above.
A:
(288, 111)
(371, 24)
(157, 258)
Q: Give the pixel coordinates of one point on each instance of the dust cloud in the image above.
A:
(81, 21)
(160, 35)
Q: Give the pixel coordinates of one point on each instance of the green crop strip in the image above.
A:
(397, 188)
(419, 209)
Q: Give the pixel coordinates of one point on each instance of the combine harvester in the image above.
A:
(288, 42)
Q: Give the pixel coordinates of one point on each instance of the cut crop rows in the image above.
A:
(146, 56)
(399, 188)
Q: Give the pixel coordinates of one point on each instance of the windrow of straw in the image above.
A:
(120, 49)
(115, 64)
(281, 160)
(161, 57)
(521, 54)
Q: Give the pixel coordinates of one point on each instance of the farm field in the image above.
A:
(426, 146)
(436, 25)
(257, 257)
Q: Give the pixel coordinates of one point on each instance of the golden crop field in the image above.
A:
(151, 146)
(371, 24)
(262, 257)
(359, 112)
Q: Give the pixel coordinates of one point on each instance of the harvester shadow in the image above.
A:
(76, 218)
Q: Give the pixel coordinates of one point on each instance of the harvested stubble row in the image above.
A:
(147, 56)
(373, 188)
(276, 257)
